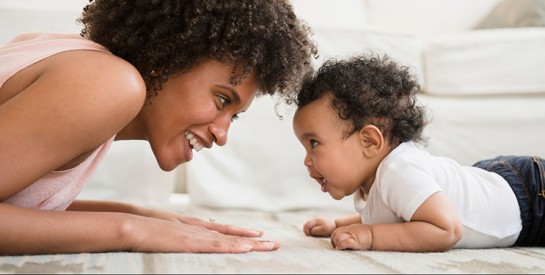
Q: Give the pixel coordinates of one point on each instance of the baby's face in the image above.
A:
(334, 161)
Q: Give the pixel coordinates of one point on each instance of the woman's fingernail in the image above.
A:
(268, 244)
(246, 247)
(256, 233)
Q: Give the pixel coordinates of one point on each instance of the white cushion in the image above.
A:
(338, 14)
(494, 61)
(401, 47)
(469, 129)
(427, 17)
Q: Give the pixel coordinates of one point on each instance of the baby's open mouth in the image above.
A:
(323, 184)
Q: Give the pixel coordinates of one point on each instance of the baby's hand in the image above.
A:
(353, 237)
(319, 227)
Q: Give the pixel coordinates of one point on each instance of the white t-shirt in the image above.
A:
(409, 175)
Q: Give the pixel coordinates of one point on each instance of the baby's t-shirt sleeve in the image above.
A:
(404, 183)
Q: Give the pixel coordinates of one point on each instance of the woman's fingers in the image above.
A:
(235, 237)
(233, 245)
(223, 228)
(265, 246)
(234, 230)
(156, 235)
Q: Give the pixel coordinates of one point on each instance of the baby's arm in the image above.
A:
(435, 226)
(323, 227)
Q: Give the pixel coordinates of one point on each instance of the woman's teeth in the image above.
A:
(193, 141)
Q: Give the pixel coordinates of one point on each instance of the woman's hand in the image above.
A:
(222, 228)
(152, 230)
(319, 227)
(211, 225)
(191, 235)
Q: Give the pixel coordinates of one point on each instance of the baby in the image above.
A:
(360, 124)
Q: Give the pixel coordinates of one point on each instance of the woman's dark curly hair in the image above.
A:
(161, 37)
(369, 89)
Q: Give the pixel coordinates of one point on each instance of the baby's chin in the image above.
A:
(337, 197)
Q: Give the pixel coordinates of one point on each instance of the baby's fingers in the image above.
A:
(345, 242)
(342, 239)
(307, 228)
(318, 228)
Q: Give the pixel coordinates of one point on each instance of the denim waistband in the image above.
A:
(526, 176)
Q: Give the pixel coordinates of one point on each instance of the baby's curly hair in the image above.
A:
(161, 37)
(370, 89)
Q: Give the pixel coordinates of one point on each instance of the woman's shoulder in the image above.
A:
(100, 75)
(95, 90)
(63, 107)
(106, 91)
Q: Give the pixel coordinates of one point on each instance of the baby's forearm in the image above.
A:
(412, 236)
(348, 220)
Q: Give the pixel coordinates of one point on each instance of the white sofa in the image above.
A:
(484, 88)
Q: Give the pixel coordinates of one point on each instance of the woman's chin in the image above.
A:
(171, 164)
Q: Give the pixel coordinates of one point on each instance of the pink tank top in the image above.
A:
(58, 189)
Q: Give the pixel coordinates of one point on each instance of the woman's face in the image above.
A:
(194, 110)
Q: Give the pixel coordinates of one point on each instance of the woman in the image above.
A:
(174, 73)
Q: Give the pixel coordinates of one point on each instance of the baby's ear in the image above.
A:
(372, 140)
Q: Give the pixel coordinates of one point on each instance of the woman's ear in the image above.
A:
(372, 140)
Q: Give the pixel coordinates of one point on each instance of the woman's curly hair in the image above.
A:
(161, 37)
(369, 89)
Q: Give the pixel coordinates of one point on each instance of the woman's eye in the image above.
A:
(313, 143)
(234, 117)
(223, 101)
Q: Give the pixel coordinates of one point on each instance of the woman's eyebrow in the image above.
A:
(234, 93)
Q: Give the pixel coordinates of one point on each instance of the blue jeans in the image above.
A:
(526, 176)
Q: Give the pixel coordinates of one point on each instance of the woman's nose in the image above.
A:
(219, 130)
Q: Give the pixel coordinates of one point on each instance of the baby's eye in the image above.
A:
(234, 117)
(313, 143)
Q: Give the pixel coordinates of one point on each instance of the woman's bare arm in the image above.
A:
(30, 231)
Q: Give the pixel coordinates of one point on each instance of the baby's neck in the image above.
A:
(375, 162)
